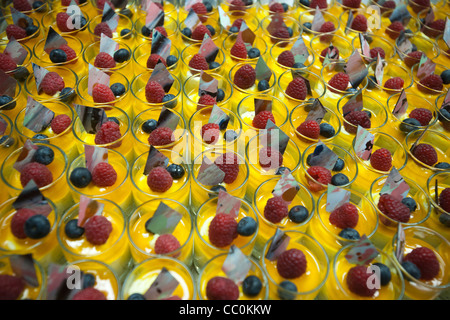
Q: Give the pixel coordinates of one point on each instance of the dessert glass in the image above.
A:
(437, 220)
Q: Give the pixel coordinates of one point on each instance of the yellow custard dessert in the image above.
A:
(18, 72)
(277, 48)
(124, 22)
(190, 51)
(28, 40)
(142, 53)
(438, 219)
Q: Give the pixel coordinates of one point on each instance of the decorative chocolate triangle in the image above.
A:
(108, 45)
(287, 187)
(207, 85)
(94, 155)
(7, 85)
(356, 69)
(228, 204)
(96, 76)
(20, 19)
(208, 49)
(161, 75)
(318, 20)
(236, 265)
(274, 137)
(336, 197)
(349, 21)
(209, 173)
(362, 252)
(164, 220)
(91, 118)
(53, 41)
(246, 35)
(192, 20)
(401, 105)
(278, 245)
(404, 45)
(163, 286)
(154, 16)
(395, 185)
(88, 208)
(37, 116)
(317, 112)
(26, 156)
(365, 47)
(155, 159)
(364, 143)
(262, 105)
(400, 13)
(31, 198)
(426, 67)
(168, 119)
(218, 116)
(355, 103)
(110, 17)
(400, 244)
(24, 268)
(263, 72)
(379, 70)
(39, 74)
(446, 36)
(160, 44)
(323, 156)
(16, 51)
(300, 51)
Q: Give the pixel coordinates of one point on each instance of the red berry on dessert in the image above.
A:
(222, 230)
(198, 62)
(154, 92)
(270, 158)
(309, 129)
(381, 159)
(261, 118)
(154, 59)
(291, 263)
(425, 153)
(210, 133)
(356, 118)
(161, 136)
(104, 60)
(104, 175)
(228, 163)
(345, 216)
(357, 281)
(423, 115)
(245, 77)
(276, 209)
(339, 82)
(393, 208)
(101, 93)
(286, 58)
(97, 230)
(38, 172)
(297, 89)
(159, 180)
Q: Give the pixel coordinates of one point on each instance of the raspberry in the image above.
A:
(291, 263)
(270, 158)
(297, 89)
(276, 209)
(228, 163)
(221, 288)
(210, 133)
(7, 64)
(237, 5)
(352, 3)
(97, 230)
(381, 159)
(239, 50)
(345, 216)
(109, 132)
(52, 83)
(101, 4)
(245, 77)
(153, 60)
(425, 259)
(359, 23)
(199, 32)
(319, 174)
(200, 9)
(310, 129)
(395, 83)
(430, 83)
(161, 136)
(18, 222)
(60, 123)
(422, 115)
(38, 172)
(339, 82)
(89, 294)
(394, 29)
(104, 175)
(103, 27)
(206, 100)
(327, 27)
(355, 118)
(16, 32)
(102, 94)
(324, 52)
(166, 243)
(162, 30)
(154, 92)
(425, 153)
(357, 280)
(198, 62)
(322, 4)
(419, 5)
(444, 199)
(435, 28)
(61, 22)
(238, 22)
(280, 34)
(104, 60)
(286, 58)
(387, 5)
(22, 5)
(222, 230)
(276, 7)
(10, 287)
(261, 118)
(159, 179)
(412, 58)
(66, 3)
(374, 52)
(393, 208)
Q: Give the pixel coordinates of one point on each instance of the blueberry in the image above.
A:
(371, 83)
(339, 179)
(298, 65)
(305, 3)
(125, 33)
(307, 27)
(281, 170)
(411, 269)
(444, 219)
(211, 29)
(234, 29)
(171, 60)
(298, 214)
(308, 159)
(369, 114)
(230, 135)
(121, 55)
(339, 165)
(287, 290)
(21, 74)
(7, 103)
(263, 85)
(173, 102)
(349, 234)
(176, 171)
(285, 7)
(72, 230)
(37, 227)
(445, 76)
(253, 53)
(327, 130)
(214, 65)
(88, 280)
(80, 177)
(442, 165)
(118, 89)
(215, 190)
(410, 203)
(114, 119)
(149, 125)
(67, 94)
(385, 273)
(220, 95)
(31, 30)
(208, 6)
(146, 32)
(443, 115)
(414, 48)
(409, 124)
(40, 136)
(136, 296)
(83, 22)
(251, 286)
(186, 32)
(290, 31)
(246, 226)
(44, 155)
(126, 12)
(58, 56)
(39, 6)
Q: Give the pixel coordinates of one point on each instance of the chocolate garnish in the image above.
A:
(236, 265)
(37, 116)
(164, 220)
(336, 197)
(155, 159)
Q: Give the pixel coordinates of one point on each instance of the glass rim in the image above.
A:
(430, 43)
(419, 84)
(432, 199)
(247, 91)
(170, 20)
(122, 17)
(9, 129)
(28, 37)
(214, 37)
(291, 19)
(382, 38)
(325, 13)
(55, 11)
(330, 4)
(390, 63)
(121, 44)
(215, 76)
(260, 40)
(365, 81)
(185, 50)
(317, 38)
(416, 96)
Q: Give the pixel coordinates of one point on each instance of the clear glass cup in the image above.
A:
(278, 48)
(143, 242)
(142, 52)
(444, 55)
(115, 252)
(18, 102)
(390, 33)
(375, 41)
(170, 25)
(289, 21)
(49, 20)
(439, 217)
(423, 44)
(418, 236)
(29, 40)
(169, 7)
(231, 60)
(21, 72)
(213, 268)
(328, 6)
(189, 51)
(264, 8)
(428, 92)
(308, 17)
(443, 124)
(8, 141)
(308, 284)
(204, 250)
(124, 22)
(142, 276)
(183, 11)
(235, 11)
(428, 29)
(213, 22)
